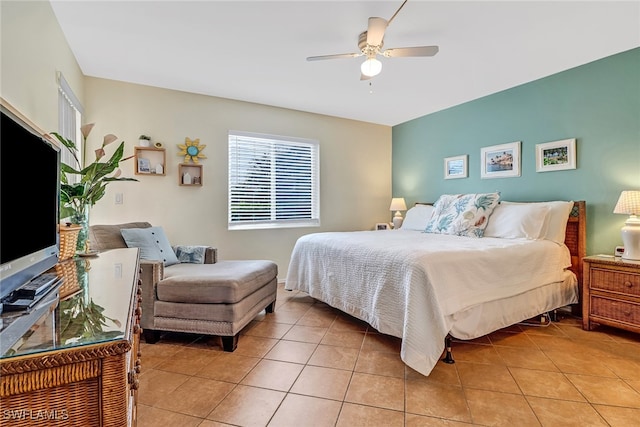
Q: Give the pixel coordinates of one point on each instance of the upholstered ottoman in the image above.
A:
(225, 296)
(200, 296)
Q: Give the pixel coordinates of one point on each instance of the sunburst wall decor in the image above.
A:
(191, 150)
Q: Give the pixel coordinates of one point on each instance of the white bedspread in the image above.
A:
(410, 284)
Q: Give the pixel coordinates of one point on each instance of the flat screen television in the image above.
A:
(29, 203)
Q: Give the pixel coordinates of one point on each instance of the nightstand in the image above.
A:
(611, 293)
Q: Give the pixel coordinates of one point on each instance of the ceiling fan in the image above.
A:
(370, 43)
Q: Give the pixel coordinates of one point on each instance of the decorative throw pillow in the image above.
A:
(462, 214)
(417, 217)
(152, 242)
(190, 254)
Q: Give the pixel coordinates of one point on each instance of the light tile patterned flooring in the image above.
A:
(310, 365)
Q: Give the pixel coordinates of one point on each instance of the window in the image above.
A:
(273, 181)
(69, 122)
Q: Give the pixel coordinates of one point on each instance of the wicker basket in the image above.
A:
(68, 240)
(68, 271)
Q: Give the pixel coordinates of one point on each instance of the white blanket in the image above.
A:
(410, 284)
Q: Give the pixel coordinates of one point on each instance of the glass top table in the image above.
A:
(90, 306)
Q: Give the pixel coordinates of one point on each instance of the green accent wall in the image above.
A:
(598, 104)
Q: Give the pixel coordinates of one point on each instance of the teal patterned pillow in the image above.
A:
(462, 214)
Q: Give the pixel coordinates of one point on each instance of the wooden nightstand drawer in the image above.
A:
(615, 281)
(616, 310)
(611, 293)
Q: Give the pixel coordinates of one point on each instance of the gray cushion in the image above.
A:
(152, 242)
(223, 282)
(218, 312)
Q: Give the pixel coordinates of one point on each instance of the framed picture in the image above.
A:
(382, 226)
(500, 161)
(455, 167)
(556, 155)
(144, 166)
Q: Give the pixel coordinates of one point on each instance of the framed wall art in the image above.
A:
(144, 165)
(556, 155)
(456, 167)
(500, 161)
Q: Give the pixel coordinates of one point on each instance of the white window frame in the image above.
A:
(269, 147)
(70, 113)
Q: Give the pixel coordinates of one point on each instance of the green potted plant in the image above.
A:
(76, 198)
(144, 140)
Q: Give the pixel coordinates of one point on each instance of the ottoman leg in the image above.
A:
(270, 307)
(230, 343)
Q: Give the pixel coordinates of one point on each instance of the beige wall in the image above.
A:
(32, 50)
(355, 166)
(355, 157)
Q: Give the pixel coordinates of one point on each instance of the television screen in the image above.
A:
(29, 201)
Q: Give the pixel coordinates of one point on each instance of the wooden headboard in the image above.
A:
(576, 240)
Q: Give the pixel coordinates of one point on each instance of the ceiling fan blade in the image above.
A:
(401, 52)
(375, 31)
(363, 77)
(341, 55)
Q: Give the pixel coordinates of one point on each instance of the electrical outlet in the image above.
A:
(117, 270)
(118, 198)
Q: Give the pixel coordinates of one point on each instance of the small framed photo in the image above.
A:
(456, 167)
(556, 155)
(382, 226)
(500, 161)
(144, 166)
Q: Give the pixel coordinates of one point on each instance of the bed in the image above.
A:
(424, 287)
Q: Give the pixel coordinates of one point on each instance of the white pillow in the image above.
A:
(556, 225)
(417, 218)
(517, 221)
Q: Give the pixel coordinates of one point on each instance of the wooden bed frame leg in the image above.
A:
(448, 358)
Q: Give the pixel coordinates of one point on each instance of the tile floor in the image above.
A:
(310, 365)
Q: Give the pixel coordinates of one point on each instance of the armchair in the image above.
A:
(214, 298)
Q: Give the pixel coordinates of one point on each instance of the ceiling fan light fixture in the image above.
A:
(371, 67)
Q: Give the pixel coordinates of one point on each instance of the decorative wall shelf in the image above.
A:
(150, 161)
(190, 174)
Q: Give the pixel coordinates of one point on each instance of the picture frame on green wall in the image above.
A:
(556, 155)
(500, 161)
(456, 167)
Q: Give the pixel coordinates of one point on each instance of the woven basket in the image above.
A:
(68, 271)
(68, 240)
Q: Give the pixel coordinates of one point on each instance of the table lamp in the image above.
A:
(629, 203)
(397, 204)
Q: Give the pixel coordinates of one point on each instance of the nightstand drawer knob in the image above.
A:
(628, 284)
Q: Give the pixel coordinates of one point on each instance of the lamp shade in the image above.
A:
(398, 204)
(629, 203)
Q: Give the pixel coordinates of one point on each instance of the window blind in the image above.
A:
(69, 119)
(273, 181)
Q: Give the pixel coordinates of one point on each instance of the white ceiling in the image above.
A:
(256, 50)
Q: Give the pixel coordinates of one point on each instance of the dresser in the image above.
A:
(77, 364)
(611, 293)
